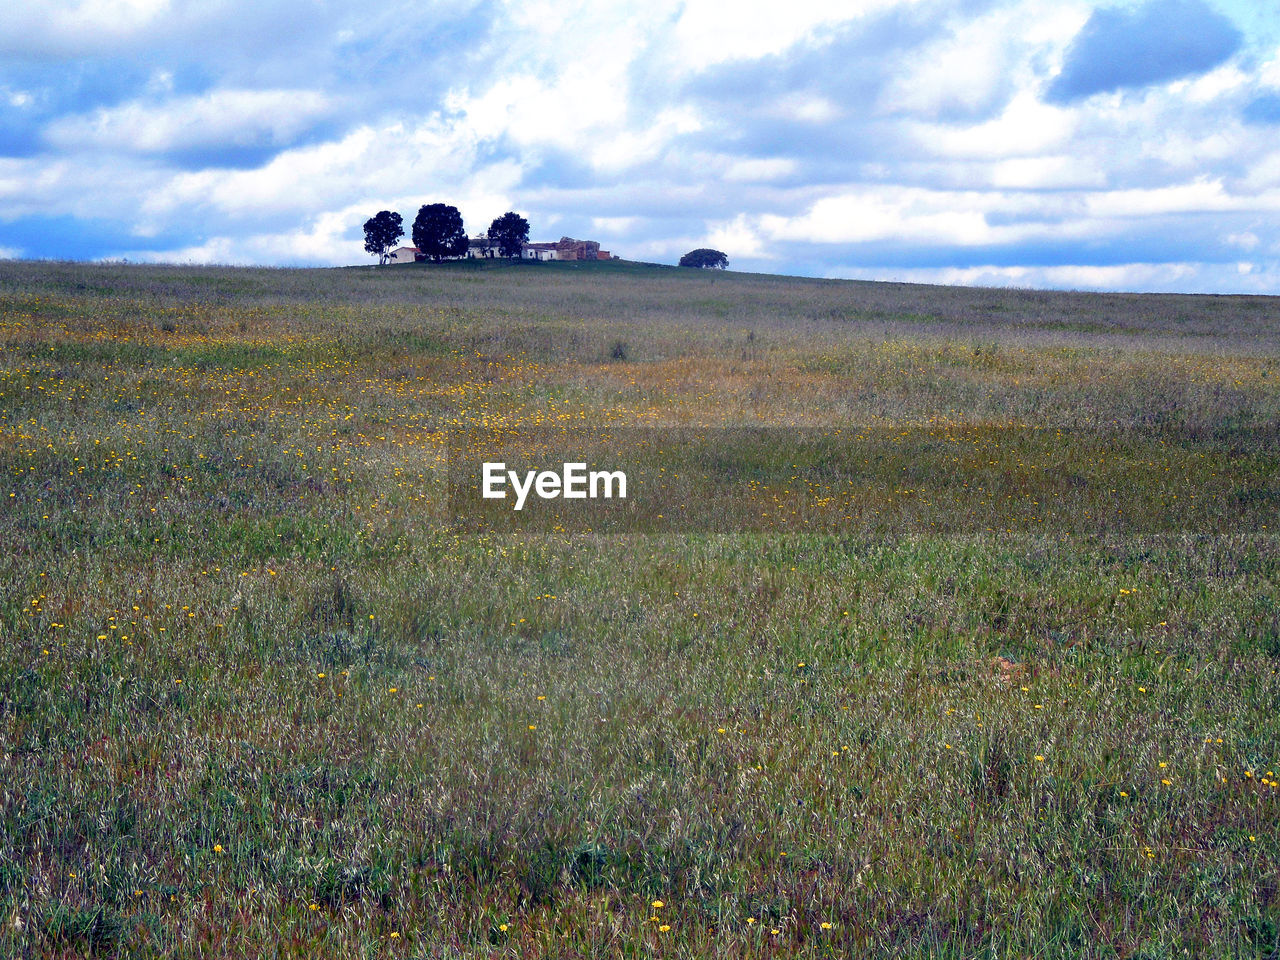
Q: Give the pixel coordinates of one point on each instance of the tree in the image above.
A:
(510, 232)
(705, 258)
(438, 233)
(380, 231)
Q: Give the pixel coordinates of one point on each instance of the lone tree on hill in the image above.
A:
(509, 232)
(438, 233)
(380, 231)
(705, 258)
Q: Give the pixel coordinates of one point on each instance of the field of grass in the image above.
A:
(262, 695)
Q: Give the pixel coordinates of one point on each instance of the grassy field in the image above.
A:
(262, 695)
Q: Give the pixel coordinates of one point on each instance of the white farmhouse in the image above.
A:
(540, 251)
(404, 255)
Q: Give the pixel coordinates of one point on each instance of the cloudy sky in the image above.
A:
(1110, 144)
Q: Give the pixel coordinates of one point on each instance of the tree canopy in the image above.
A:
(437, 231)
(382, 230)
(705, 258)
(509, 232)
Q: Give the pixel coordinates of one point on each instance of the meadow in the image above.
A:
(1012, 694)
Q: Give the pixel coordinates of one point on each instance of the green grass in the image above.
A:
(260, 697)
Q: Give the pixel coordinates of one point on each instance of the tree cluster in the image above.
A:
(510, 232)
(438, 233)
(381, 231)
(705, 258)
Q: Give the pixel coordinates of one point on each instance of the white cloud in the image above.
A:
(738, 239)
(1263, 174)
(1212, 85)
(30, 186)
(77, 25)
(367, 170)
(804, 107)
(323, 241)
(593, 115)
(1245, 241)
(970, 66)
(1171, 277)
(759, 169)
(707, 32)
(227, 251)
(1049, 172)
(387, 161)
(1269, 70)
(10, 253)
(160, 82)
(1203, 195)
(580, 103)
(223, 118)
(1129, 276)
(888, 213)
(94, 15)
(627, 148)
(1026, 127)
(614, 226)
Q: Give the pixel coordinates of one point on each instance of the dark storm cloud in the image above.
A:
(1160, 40)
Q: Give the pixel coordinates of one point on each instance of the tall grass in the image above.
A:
(260, 697)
